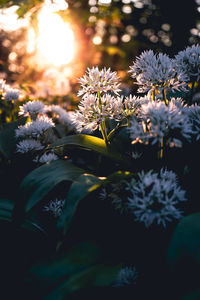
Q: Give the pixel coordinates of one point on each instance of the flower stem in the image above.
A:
(154, 94)
(164, 96)
(161, 149)
(102, 125)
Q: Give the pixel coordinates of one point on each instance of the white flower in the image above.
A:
(63, 115)
(188, 61)
(132, 104)
(11, 94)
(97, 80)
(25, 146)
(32, 108)
(55, 207)
(46, 157)
(158, 121)
(35, 128)
(194, 116)
(155, 197)
(126, 276)
(156, 71)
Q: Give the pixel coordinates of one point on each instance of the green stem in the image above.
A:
(161, 149)
(103, 123)
(154, 94)
(164, 96)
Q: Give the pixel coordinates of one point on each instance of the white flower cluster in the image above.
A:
(46, 158)
(158, 121)
(35, 129)
(28, 145)
(32, 109)
(155, 197)
(63, 115)
(97, 80)
(90, 114)
(55, 207)
(7, 92)
(194, 115)
(126, 276)
(33, 135)
(188, 62)
(156, 71)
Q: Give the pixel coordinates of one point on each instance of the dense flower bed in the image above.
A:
(111, 186)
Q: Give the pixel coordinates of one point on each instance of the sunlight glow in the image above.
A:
(55, 38)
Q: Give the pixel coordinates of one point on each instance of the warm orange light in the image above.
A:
(55, 40)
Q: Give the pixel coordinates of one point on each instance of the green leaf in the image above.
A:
(185, 242)
(7, 137)
(43, 179)
(79, 268)
(93, 143)
(6, 208)
(75, 260)
(79, 189)
(195, 295)
(98, 275)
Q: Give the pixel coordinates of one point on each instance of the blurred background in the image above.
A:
(45, 46)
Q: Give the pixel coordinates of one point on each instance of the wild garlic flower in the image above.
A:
(117, 194)
(97, 80)
(55, 207)
(11, 94)
(28, 145)
(158, 121)
(126, 276)
(193, 112)
(156, 71)
(35, 128)
(188, 62)
(132, 104)
(155, 197)
(63, 115)
(32, 109)
(46, 157)
(90, 113)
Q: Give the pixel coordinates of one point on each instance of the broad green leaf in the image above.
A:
(6, 208)
(7, 137)
(83, 185)
(93, 143)
(98, 275)
(75, 260)
(195, 295)
(185, 241)
(79, 268)
(43, 179)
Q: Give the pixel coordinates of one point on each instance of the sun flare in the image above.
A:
(55, 39)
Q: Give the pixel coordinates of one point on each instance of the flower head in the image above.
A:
(32, 108)
(188, 62)
(153, 71)
(97, 80)
(55, 207)
(35, 128)
(155, 197)
(11, 94)
(46, 157)
(158, 121)
(126, 276)
(194, 116)
(28, 145)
